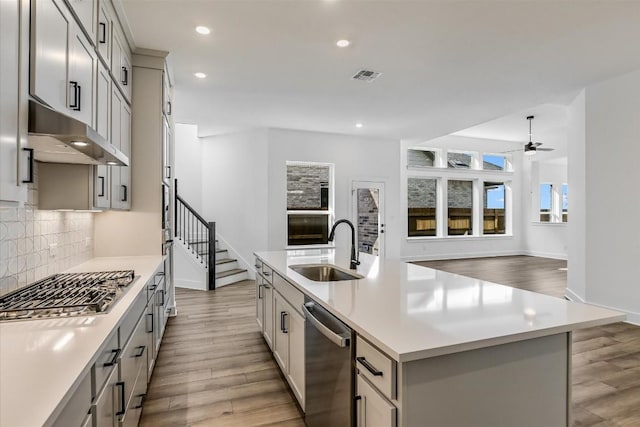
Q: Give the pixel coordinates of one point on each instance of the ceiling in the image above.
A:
(446, 65)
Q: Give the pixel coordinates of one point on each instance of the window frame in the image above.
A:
(329, 212)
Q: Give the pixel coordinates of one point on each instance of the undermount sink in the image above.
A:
(324, 273)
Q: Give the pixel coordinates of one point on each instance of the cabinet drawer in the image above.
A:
(134, 358)
(373, 410)
(267, 273)
(105, 364)
(134, 410)
(289, 292)
(130, 321)
(377, 367)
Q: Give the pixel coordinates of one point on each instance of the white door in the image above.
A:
(368, 216)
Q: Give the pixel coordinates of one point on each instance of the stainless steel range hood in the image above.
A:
(57, 138)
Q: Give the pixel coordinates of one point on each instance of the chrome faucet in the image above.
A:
(354, 253)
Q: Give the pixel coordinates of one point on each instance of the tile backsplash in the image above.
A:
(35, 244)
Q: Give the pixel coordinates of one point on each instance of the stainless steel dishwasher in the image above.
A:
(328, 352)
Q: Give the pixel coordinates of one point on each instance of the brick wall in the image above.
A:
(367, 220)
(304, 186)
(422, 193)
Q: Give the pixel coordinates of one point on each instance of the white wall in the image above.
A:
(462, 246)
(355, 159)
(577, 226)
(612, 205)
(188, 164)
(235, 190)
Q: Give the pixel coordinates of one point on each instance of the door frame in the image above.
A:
(380, 185)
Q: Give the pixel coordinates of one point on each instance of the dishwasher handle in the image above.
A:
(341, 340)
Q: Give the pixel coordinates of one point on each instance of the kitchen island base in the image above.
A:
(524, 384)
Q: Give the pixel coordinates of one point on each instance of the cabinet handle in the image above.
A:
(161, 291)
(125, 76)
(124, 193)
(101, 194)
(283, 315)
(29, 180)
(75, 105)
(369, 367)
(169, 107)
(260, 291)
(168, 171)
(122, 398)
(114, 357)
(141, 350)
(150, 314)
(142, 397)
(103, 36)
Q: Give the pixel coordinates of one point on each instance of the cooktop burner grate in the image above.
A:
(63, 295)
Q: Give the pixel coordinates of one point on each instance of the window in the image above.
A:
(565, 203)
(417, 158)
(494, 162)
(309, 202)
(546, 202)
(459, 160)
(493, 219)
(460, 207)
(422, 194)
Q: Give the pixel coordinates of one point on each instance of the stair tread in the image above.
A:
(230, 272)
(224, 260)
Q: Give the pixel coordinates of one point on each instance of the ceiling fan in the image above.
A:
(530, 148)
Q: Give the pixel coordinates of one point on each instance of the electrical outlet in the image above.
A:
(53, 249)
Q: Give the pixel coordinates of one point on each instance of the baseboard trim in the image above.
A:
(552, 255)
(459, 255)
(632, 317)
(189, 284)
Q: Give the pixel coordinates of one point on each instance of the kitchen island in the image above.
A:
(448, 350)
(47, 365)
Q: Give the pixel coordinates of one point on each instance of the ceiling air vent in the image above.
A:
(366, 75)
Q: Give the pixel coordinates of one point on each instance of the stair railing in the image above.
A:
(198, 234)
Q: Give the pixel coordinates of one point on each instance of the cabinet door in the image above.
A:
(166, 97)
(260, 302)
(372, 409)
(11, 130)
(116, 54)
(85, 10)
(166, 151)
(104, 33)
(103, 102)
(82, 76)
(50, 23)
(269, 321)
(296, 355)
(127, 71)
(101, 187)
(281, 332)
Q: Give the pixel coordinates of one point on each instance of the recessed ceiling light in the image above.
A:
(202, 30)
(79, 143)
(343, 43)
(359, 125)
(200, 75)
(111, 163)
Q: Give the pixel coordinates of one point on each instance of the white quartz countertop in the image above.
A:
(412, 312)
(41, 361)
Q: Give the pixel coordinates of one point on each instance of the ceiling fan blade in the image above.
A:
(545, 149)
(537, 144)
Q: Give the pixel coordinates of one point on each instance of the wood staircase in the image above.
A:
(227, 269)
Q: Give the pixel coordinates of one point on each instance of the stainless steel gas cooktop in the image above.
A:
(65, 295)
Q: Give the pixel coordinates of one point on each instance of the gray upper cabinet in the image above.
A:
(104, 32)
(85, 11)
(13, 132)
(63, 61)
(121, 138)
(121, 62)
(103, 102)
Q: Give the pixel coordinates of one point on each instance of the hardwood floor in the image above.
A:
(606, 359)
(214, 368)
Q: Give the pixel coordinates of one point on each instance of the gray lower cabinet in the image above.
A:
(372, 409)
(103, 408)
